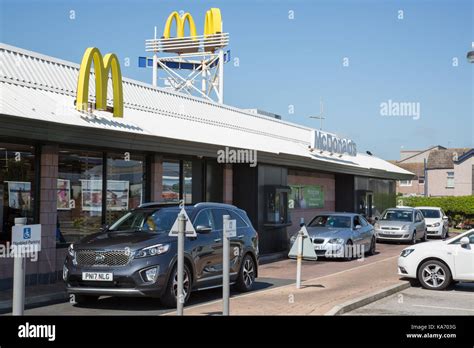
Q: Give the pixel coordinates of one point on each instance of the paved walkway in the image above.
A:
(317, 295)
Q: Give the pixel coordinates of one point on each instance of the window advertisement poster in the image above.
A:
(64, 194)
(91, 195)
(117, 195)
(19, 195)
(306, 196)
(136, 194)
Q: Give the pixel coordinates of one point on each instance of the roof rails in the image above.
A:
(157, 204)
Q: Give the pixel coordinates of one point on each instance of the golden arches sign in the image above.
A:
(212, 24)
(102, 67)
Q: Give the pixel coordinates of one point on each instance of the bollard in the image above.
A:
(225, 267)
(18, 277)
(181, 231)
(299, 258)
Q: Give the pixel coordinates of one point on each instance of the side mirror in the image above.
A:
(376, 218)
(464, 241)
(203, 229)
(104, 228)
(358, 227)
(445, 218)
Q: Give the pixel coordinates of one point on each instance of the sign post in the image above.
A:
(299, 258)
(302, 248)
(229, 231)
(181, 228)
(181, 232)
(25, 239)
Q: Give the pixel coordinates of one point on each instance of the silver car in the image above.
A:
(342, 235)
(401, 224)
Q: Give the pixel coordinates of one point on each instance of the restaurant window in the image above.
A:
(79, 200)
(170, 181)
(125, 184)
(188, 181)
(17, 186)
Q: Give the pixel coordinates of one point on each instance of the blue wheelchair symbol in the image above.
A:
(26, 233)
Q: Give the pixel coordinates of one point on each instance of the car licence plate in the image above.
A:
(318, 247)
(98, 276)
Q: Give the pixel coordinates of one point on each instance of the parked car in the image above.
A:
(340, 235)
(401, 225)
(437, 223)
(136, 257)
(465, 225)
(438, 263)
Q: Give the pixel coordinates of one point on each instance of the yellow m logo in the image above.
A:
(180, 23)
(212, 24)
(102, 67)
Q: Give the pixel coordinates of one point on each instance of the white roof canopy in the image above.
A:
(35, 86)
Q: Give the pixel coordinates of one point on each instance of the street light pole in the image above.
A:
(320, 117)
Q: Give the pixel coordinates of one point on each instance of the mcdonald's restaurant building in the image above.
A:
(73, 171)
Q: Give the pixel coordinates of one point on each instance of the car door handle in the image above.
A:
(241, 236)
(217, 240)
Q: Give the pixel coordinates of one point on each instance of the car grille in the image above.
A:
(320, 252)
(318, 241)
(390, 228)
(102, 257)
(383, 235)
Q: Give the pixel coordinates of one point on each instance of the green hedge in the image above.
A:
(460, 205)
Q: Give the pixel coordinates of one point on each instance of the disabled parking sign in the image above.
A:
(27, 238)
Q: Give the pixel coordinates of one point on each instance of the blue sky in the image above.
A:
(297, 61)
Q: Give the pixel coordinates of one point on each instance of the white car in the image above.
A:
(438, 263)
(436, 221)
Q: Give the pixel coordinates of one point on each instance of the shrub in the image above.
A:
(462, 206)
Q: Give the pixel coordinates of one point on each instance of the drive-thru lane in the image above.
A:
(272, 275)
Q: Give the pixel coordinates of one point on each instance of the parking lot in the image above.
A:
(330, 277)
(457, 300)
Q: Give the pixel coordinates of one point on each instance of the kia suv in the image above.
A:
(136, 257)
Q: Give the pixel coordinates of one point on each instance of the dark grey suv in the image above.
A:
(136, 257)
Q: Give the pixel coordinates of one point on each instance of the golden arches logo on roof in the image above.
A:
(102, 67)
(212, 24)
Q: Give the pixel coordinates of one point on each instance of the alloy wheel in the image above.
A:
(185, 284)
(248, 272)
(433, 275)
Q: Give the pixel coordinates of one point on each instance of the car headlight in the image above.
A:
(405, 227)
(336, 241)
(377, 226)
(406, 252)
(151, 251)
(71, 251)
(436, 224)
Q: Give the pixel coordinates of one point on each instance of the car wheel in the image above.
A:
(425, 236)
(246, 277)
(413, 239)
(349, 251)
(85, 299)
(169, 297)
(434, 275)
(372, 246)
(445, 234)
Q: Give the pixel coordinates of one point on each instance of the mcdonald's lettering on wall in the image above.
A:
(102, 67)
